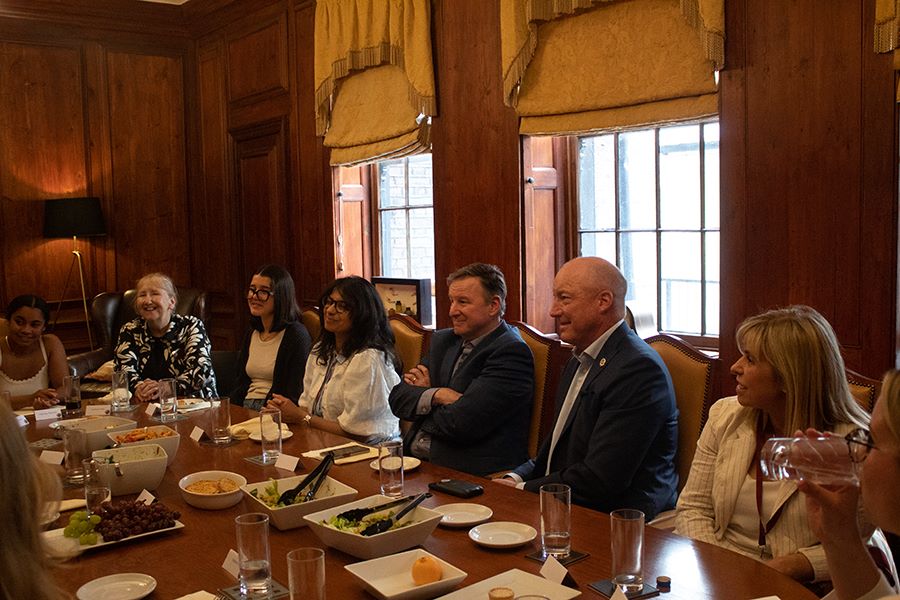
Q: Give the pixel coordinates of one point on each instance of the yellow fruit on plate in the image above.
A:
(426, 570)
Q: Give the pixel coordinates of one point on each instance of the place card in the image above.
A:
(146, 497)
(232, 563)
(618, 594)
(96, 410)
(22, 421)
(197, 434)
(152, 407)
(52, 457)
(287, 462)
(553, 570)
(45, 414)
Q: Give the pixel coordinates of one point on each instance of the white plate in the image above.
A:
(285, 435)
(519, 582)
(121, 586)
(409, 463)
(463, 514)
(191, 404)
(64, 546)
(389, 577)
(502, 534)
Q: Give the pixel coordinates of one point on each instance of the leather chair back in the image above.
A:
(550, 359)
(695, 378)
(310, 318)
(411, 340)
(4, 326)
(864, 389)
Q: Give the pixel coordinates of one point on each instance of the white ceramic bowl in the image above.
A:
(331, 493)
(212, 501)
(422, 522)
(139, 468)
(169, 443)
(390, 577)
(96, 428)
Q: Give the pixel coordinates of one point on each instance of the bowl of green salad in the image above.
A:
(346, 534)
(263, 497)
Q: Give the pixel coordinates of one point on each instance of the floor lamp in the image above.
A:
(73, 217)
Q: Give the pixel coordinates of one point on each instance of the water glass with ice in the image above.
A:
(121, 397)
(270, 434)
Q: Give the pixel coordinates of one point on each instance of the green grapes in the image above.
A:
(81, 526)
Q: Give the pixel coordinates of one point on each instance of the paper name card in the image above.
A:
(22, 421)
(152, 407)
(287, 462)
(45, 414)
(197, 434)
(96, 410)
(146, 497)
(52, 457)
(553, 570)
(232, 563)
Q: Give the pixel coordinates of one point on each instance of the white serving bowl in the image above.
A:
(390, 577)
(212, 501)
(422, 522)
(169, 443)
(331, 493)
(130, 470)
(96, 428)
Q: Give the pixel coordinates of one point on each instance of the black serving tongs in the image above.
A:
(316, 477)
(355, 515)
(384, 524)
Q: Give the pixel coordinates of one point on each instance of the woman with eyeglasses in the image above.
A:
(274, 352)
(351, 369)
(833, 512)
(790, 376)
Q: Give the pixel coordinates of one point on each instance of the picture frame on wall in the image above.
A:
(411, 297)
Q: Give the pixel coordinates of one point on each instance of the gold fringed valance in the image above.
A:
(573, 66)
(886, 25)
(374, 78)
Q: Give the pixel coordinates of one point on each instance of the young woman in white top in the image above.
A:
(32, 363)
(351, 369)
(833, 512)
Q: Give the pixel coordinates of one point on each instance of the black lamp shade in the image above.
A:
(67, 217)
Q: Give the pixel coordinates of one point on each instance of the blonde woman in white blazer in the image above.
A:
(790, 376)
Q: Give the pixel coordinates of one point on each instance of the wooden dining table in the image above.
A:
(190, 559)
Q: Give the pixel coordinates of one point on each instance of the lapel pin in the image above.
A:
(602, 362)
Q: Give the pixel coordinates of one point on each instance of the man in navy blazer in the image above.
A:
(616, 428)
(470, 400)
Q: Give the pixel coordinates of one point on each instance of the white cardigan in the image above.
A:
(720, 466)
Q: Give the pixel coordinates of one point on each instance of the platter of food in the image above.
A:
(192, 404)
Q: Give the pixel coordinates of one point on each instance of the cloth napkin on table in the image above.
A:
(318, 454)
(251, 426)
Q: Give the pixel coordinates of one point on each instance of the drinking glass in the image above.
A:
(270, 434)
(556, 507)
(72, 395)
(627, 541)
(306, 573)
(822, 460)
(120, 395)
(75, 451)
(390, 468)
(253, 553)
(96, 492)
(168, 400)
(220, 420)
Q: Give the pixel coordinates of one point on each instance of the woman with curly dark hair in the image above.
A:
(351, 369)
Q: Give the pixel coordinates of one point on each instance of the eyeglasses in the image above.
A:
(859, 441)
(261, 295)
(339, 305)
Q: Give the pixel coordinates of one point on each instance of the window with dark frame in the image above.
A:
(649, 200)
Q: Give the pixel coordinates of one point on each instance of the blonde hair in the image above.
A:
(26, 486)
(802, 348)
(164, 281)
(890, 395)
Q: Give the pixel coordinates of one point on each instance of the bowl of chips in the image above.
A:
(212, 490)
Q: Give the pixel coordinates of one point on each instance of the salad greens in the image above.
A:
(270, 495)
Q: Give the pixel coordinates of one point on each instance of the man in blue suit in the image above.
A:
(616, 428)
(470, 400)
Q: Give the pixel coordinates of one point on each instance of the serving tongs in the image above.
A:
(384, 524)
(355, 515)
(316, 477)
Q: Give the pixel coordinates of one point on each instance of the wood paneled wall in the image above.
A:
(808, 164)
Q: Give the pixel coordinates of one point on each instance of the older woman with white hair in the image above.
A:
(161, 344)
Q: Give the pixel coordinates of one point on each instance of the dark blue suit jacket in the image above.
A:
(618, 446)
(486, 430)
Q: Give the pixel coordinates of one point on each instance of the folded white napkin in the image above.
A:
(71, 504)
(251, 426)
(318, 454)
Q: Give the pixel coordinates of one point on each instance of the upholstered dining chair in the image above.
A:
(4, 326)
(695, 378)
(111, 310)
(550, 358)
(310, 318)
(864, 389)
(411, 340)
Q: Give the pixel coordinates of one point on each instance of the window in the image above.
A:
(649, 200)
(405, 217)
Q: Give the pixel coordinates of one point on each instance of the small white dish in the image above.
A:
(502, 534)
(286, 434)
(463, 514)
(519, 582)
(390, 577)
(121, 586)
(409, 463)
